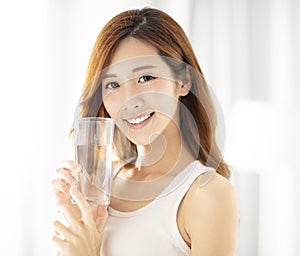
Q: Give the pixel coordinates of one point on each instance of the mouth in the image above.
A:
(140, 121)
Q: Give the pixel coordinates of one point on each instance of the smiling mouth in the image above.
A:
(140, 121)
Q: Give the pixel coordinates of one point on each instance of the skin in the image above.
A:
(209, 230)
(83, 236)
(160, 95)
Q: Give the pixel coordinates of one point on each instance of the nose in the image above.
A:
(132, 97)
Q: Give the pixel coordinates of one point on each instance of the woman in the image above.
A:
(171, 194)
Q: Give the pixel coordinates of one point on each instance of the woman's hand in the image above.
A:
(83, 235)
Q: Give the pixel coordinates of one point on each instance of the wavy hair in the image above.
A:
(161, 31)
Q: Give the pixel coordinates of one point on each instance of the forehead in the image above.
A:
(130, 48)
(133, 56)
(154, 64)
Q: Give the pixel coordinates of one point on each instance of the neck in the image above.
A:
(167, 153)
(158, 163)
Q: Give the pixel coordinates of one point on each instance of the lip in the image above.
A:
(139, 124)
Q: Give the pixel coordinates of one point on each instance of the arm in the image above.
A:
(211, 218)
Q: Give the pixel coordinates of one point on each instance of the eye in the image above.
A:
(111, 85)
(146, 78)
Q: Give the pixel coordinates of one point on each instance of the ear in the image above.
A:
(184, 89)
(186, 83)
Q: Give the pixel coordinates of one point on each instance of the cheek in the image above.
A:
(167, 88)
(166, 106)
(165, 99)
(112, 105)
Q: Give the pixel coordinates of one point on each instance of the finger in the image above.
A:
(71, 165)
(76, 169)
(59, 242)
(102, 216)
(66, 175)
(60, 186)
(61, 191)
(86, 212)
(68, 164)
(70, 216)
(61, 229)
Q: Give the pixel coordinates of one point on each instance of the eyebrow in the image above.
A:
(142, 68)
(133, 70)
(109, 75)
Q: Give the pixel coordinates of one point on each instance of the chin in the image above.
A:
(143, 140)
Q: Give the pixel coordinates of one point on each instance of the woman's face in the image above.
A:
(140, 92)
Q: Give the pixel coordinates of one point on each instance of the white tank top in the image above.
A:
(151, 230)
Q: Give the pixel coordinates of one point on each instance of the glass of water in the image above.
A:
(93, 139)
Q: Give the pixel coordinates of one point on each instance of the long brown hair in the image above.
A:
(162, 32)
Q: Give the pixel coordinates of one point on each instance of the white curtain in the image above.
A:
(249, 52)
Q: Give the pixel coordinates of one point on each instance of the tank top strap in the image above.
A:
(184, 180)
(188, 176)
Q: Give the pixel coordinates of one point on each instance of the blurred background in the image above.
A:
(249, 51)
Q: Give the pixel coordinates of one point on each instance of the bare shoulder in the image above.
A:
(210, 194)
(210, 215)
(211, 186)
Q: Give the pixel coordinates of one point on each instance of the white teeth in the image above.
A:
(139, 119)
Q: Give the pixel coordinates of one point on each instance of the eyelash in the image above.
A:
(108, 85)
(113, 85)
(151, 78)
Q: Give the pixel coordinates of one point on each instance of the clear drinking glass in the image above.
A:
(93, 151)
